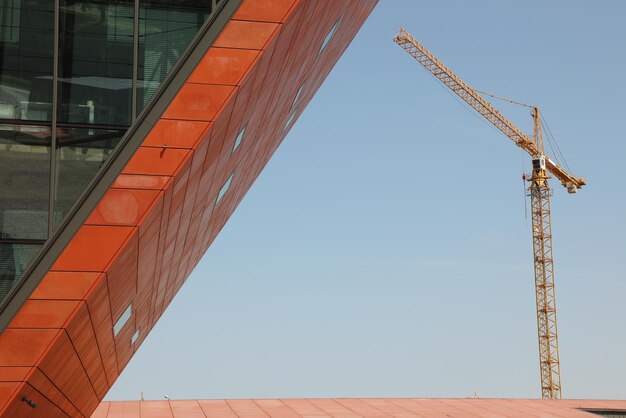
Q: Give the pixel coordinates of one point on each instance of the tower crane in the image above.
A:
(539, 192)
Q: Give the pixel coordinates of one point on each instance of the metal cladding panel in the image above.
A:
(73, 337)
(357, 408)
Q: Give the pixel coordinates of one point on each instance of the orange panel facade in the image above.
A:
(63, 350)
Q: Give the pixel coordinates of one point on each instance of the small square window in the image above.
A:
(122, 320)
(329, 35)
(239, 139)
(224, 189)
(135, 337)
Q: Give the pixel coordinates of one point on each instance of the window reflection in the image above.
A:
(165, 30)
(94, 80)
(24, 197)
(96, 61)
(14, 258)
(24, 181)
(80, 153)
(26, 59)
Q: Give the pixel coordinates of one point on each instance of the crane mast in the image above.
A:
(547, 330)
(539, 192)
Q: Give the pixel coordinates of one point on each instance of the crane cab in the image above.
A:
(539, 163)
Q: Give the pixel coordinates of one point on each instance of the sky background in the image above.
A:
(384, 250)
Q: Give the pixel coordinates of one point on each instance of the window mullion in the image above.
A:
(133, 105)
(55, 92)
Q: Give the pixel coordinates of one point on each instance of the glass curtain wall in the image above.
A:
(165, 30)
(74, 74)
(26, 84)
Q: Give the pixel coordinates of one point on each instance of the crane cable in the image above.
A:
(552, 140)
(493, 127)
(503, 98)
(463, 103)
(524, 186)
(554, 146)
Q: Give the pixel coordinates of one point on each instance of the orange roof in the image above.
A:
(356, 408)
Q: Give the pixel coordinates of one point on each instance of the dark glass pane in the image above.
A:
(26, 61)
(24, 181)
(95, 61)
(165, 29)
(80, 153)
(14, 258)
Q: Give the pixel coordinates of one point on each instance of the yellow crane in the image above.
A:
(539, 192)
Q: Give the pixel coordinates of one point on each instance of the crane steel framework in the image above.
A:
(539, 192)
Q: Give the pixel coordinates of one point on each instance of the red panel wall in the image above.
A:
(355, 408)
(159, 217)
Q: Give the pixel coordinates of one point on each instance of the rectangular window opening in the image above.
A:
(122, 320)
(135, 337)
(329, 35)
(291, 118)
(224, 189)
(295, 100)
(239, 139)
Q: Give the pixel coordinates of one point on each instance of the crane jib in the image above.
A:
(482, 106)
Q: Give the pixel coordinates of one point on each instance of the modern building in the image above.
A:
(130, 130)
(357, 408)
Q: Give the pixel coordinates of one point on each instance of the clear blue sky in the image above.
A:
(384, 249)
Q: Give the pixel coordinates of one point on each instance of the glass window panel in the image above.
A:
(25, 181)
(291, 118)
(239, 138)
(10, 21)
(329, 35)
(295, 100)
(26, 59)
(224, 189)
(80, 153)
(96, 61)
(165, 29)
(119, 324)
(14, 258)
